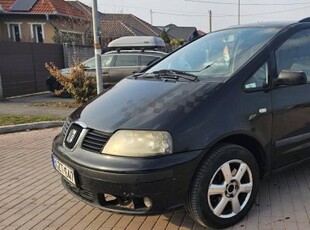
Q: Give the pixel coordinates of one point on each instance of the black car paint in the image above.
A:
(199, 115)
(168, 178)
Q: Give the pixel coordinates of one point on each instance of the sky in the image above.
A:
(196, 12)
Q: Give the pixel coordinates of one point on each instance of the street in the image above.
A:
(32, 196)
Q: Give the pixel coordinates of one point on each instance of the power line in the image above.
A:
(251, 4)
(279, 11)
(148, 8)
(228, 15)
(194, 14)
(180, 14)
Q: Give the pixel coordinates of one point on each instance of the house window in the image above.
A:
(14, 31)
(37, 32)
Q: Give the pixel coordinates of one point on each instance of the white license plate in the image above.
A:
(63, 169)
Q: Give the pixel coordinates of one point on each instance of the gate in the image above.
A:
(22, 68)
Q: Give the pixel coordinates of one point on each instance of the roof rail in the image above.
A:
(305, 20)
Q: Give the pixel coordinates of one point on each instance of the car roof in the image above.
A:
(279, 24)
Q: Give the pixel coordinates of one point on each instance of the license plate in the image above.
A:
(64, 170)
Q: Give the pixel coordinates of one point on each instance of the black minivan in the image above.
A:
(197, 129)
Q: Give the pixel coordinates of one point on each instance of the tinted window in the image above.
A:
(146, 60)
(294, 53)
(126, 60)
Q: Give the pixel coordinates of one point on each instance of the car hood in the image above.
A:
(144, 104)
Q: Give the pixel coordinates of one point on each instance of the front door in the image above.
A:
(291, 104)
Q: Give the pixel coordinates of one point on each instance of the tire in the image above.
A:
(219, 201)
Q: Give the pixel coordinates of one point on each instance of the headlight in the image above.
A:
(139, 143)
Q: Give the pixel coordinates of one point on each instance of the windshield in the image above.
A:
(219, 54)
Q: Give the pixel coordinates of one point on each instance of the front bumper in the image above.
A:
(143, 186)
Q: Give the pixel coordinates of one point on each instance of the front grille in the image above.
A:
(72, 135)
(95, 140)
(66, 127)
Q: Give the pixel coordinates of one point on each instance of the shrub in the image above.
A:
(79, 86)
(177, 42)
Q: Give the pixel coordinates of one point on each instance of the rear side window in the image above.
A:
(146, 60)
(126, 60)
(294, 53)
(106, 60)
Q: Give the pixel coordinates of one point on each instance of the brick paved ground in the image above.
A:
(32, 197)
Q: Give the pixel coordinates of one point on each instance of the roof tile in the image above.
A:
(115, 29)
(59, 7)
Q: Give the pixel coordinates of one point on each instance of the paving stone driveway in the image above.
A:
(32, 197)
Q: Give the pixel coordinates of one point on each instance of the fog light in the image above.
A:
(147, 202)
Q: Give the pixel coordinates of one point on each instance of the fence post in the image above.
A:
(1, 90)
(65, 51)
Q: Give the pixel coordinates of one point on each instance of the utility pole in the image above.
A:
(238, 12)
(151, 12)
(97, 47)
(210, 21)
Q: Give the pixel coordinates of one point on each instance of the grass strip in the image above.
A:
(11, 119)
(67, 105)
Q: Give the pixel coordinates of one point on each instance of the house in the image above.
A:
(182, 33)
(42, 21)
(59, 21)
(118, 25)
(201, 33)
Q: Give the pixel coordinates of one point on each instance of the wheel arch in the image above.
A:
(251, 144)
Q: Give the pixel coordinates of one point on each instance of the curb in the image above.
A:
(30, 126)
(28, 95)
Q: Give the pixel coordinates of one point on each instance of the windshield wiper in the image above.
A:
(174, 74)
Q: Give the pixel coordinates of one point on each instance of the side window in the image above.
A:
(106, 60)
(146, 60)
(90, 63)
(126, 60)
(259, 79)
(294, 53)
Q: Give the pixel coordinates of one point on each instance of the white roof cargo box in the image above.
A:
(146, 42)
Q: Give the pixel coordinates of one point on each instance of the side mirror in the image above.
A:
(291, 77)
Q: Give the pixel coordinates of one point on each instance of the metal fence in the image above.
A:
(77, 53)
(22, 68)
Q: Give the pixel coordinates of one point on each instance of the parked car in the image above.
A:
(132, 55)
(198, 129)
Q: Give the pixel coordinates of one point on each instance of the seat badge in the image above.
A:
(71, 135)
